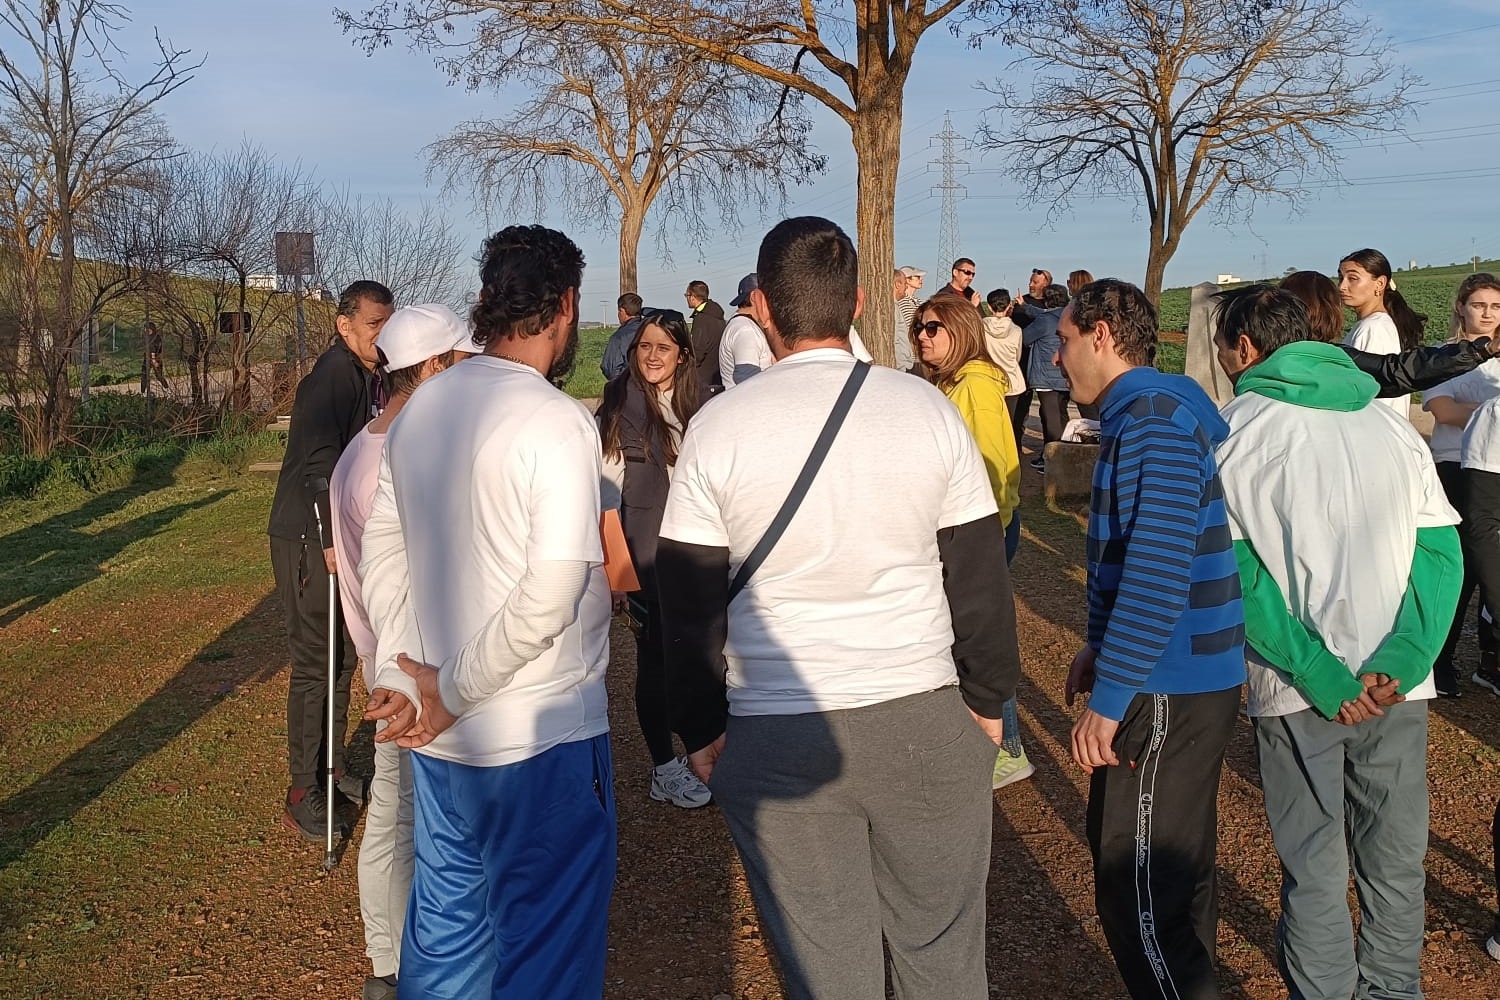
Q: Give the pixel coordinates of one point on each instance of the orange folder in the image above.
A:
(618, 568)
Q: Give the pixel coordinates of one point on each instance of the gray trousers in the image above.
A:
(1333, 790)
(861, 824)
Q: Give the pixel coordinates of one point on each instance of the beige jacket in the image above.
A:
(1002, 340)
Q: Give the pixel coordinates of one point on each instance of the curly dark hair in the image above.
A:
(1130, 315)
(524, 271)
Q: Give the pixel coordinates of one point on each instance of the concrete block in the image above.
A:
(1070, 470)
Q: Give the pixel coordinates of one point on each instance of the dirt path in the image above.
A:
(141, 855)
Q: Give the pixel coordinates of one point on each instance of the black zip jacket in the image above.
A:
(1421, 367)
(333, 403)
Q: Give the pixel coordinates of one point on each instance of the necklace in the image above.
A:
(514, 360)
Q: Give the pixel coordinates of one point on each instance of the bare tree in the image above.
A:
(222, 215)
(813, 47)
(1186, 103)
(616, 127)
(419, 258)
(74, 129)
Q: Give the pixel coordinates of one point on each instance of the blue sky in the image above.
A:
(284, 77)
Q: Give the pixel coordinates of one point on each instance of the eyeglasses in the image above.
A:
(969, 273)
(929, 328)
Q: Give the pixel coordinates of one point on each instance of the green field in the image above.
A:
(1429, 290)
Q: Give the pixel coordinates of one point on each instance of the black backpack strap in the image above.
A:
(804, 481)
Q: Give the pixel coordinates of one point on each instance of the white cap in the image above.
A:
(912, 272)
(415, 333)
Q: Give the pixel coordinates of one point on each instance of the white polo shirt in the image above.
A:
(1481, 438)
(849, 608)
(490, 473)
(1477, 386)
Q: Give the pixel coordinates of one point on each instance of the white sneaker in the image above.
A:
(674, 782)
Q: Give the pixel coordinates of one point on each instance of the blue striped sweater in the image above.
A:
(1164, 589)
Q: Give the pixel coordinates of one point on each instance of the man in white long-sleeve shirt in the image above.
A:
(483, 577)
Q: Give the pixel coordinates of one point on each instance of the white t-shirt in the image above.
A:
(1481, 438)
(490, 472)
(1377, 334)
(1331, 502)
(848, 609)
(857, 347)
(1477, 386)
(350, 492)
(744, 343)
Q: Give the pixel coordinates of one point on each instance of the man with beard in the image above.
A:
(484, 583)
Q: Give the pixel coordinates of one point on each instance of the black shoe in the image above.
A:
(307, 815)
(379, 988)
(1039, 464)
(1448, 688)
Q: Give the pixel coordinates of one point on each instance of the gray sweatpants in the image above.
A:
(858, 824)
(1331, 790)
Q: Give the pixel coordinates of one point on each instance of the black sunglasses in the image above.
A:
(931, 327)
(1037, 270)
(969, 273)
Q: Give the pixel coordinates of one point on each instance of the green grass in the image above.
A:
(588, 381)
(1428, 290)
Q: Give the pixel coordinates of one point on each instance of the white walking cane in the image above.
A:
(330, 858)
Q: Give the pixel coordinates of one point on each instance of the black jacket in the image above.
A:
(1421, 367)
(644, 496)
(334, 402)
(708, 330)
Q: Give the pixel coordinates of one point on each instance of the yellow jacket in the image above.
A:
(980, 395)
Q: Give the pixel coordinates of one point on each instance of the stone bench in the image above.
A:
(1070, 470)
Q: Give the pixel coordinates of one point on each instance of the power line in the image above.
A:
(1449, 34)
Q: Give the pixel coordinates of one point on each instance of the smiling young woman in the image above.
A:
(642, 417)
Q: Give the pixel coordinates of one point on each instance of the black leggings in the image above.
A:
(1452, 477)
(1054, 410)
(1019, 406)
(651, 681)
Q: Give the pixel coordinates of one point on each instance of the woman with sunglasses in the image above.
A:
(642, 417)
(948, 338)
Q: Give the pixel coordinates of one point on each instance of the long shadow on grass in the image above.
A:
(46, 560)
(216, 672)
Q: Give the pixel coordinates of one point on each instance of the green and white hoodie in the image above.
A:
(1349, 561)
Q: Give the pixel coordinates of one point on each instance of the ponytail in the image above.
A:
(1410, 324)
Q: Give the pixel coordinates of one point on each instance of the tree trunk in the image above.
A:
(632, 221)
(1156, 266)
(877, 149)
(237, 399)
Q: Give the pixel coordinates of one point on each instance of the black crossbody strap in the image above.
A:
(804, 481)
